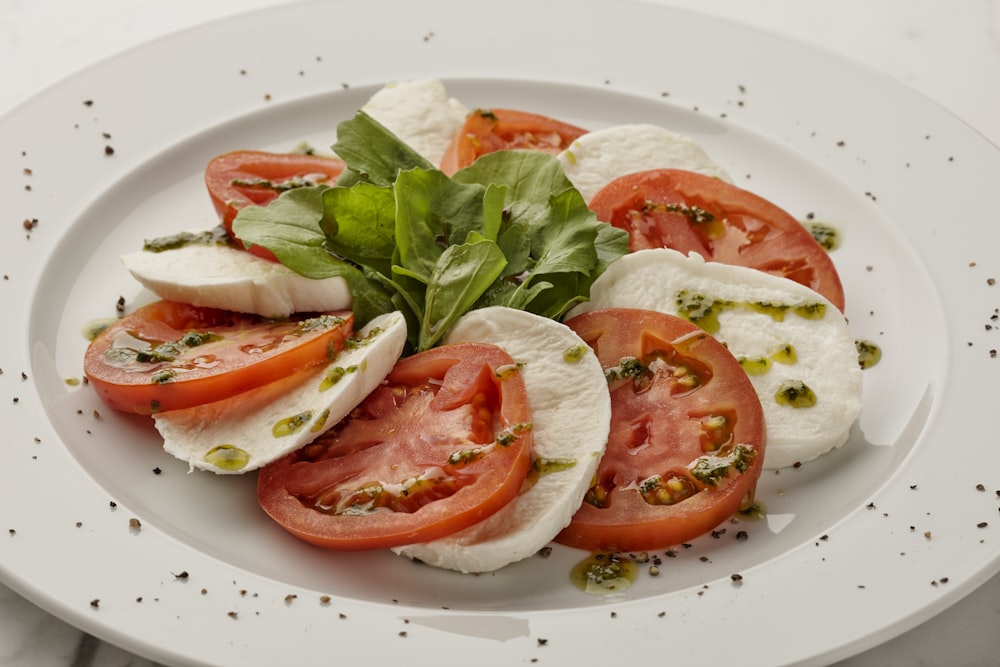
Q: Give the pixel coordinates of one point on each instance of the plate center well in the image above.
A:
(219, 515)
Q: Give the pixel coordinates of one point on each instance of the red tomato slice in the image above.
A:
(444, 443)
(240, 178)
(486, 131)
(687, 434)
(169, 355)
(691, 212)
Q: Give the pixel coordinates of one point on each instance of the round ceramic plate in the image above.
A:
(108, 532)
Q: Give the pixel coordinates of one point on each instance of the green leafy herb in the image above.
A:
(372, 153)
(289, 228)
(509, 230)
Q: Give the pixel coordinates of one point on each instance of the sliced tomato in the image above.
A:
(240, 178)
(444, 443)
(687, 434)
(489, 130)
(169, 355)
(692, 212)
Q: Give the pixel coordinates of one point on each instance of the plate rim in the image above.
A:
(93, 622)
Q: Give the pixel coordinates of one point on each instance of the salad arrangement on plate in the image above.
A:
(466, 334)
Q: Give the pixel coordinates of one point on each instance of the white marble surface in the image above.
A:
(949, 51)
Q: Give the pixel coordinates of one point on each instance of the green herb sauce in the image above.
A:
(795, 394)
(755, 365)
(227, 457)
(869, 354)
(572, 355)
(290, 425)
(215, 236)
(824, 233)
(94, 328)
(603, 572)
(704, 311)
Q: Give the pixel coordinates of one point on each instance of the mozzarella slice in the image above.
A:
(571, 417)
(419, 113)
(242, 433)
(599, 157)
(221, 276)
(747, 305)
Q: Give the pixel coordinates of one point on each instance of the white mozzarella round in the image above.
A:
(826, 357)
(599, 157)
(242, 433)
(221, 276)
(571, 417)
(420, 114)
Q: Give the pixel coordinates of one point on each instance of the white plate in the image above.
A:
(856, 547)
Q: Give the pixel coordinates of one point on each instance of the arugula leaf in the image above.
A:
(611, 244)
(433, 213)
(550, 230)
(462, 274)
(372, 152)
(360, 224)
(289, 227)
(531, 178)
(565, 243)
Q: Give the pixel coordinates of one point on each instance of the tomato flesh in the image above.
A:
(690, 212)
(169, 355)
(243, 178)
(442, 444)
(687, 434)
(486, 131)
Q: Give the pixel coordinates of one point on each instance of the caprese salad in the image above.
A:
(468, 333)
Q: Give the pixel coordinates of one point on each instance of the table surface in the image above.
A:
(948, 51)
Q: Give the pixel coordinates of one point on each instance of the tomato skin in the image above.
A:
(217, 354)
(242, 178)
(429, 418)
(486, 131)
(691, 212)
(688, 400)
